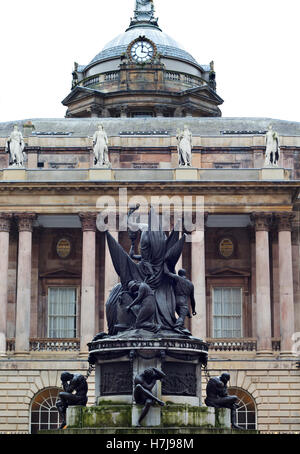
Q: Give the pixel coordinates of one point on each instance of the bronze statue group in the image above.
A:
(148, 297)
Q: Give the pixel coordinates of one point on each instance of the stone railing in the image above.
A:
(61, 345)
(48, 345)
(245, 344)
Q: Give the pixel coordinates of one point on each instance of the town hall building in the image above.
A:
(142, 89)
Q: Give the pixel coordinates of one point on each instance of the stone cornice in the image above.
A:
(148, 185)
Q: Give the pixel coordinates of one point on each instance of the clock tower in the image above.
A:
(143, 72)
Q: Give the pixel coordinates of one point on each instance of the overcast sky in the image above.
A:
(254, 43)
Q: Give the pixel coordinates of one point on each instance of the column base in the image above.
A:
(21, 353)
(264, 353)
(287, 354)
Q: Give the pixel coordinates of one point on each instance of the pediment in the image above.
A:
(60, 273)
(204, 90)
(80, 93)
(226, 271)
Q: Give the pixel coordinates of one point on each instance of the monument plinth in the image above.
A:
(119, 360)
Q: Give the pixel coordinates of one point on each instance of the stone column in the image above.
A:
(88, 282)
(5, 221)
(179, 264)
(25, 226)
(253, 280)
(263, 297)
(286, 291)
(110, 277)
(198, 322)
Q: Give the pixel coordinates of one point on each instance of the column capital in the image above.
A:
(5, 222)
(284, 221)
(262, 221)
(88, 221)
(25, 221)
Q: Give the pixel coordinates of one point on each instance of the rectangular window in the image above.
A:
(227, 312)
(62, 312)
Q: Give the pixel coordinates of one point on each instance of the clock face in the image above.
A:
(142, 51)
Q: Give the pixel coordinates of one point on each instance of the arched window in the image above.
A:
(44, 414)
(246, 411)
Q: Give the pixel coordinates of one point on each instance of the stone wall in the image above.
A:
(274, 384)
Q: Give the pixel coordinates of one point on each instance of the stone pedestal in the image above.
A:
(119, 359)
(101, 174)
(108, 418)
(186, 174)
(272, 173)
(14, 174)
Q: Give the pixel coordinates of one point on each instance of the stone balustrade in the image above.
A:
(247, 344)
(50, 345)
(47, 345)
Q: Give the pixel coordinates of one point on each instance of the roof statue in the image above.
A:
(272, 148)
(184, 147)
(15, 146)
(144, 12)
(100, 148)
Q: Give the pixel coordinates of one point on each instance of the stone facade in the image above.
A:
(249, 242)
(274, 385)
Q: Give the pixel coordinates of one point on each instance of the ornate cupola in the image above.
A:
(143, 72)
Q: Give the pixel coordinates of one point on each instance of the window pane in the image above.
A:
(62, 312)
(246, 413)
(227, 312)
(44, 414)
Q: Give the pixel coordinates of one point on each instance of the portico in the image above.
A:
(86, 265)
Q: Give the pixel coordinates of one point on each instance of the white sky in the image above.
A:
(254, 43)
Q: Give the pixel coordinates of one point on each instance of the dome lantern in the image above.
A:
(141, 70)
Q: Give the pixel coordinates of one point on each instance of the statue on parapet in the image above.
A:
(15, 146)
(184, 147)
(217, 396)
(272, 148)
(100, 148)
(144, 383)
(71, 383)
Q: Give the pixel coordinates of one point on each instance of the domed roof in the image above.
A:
(166, 46)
